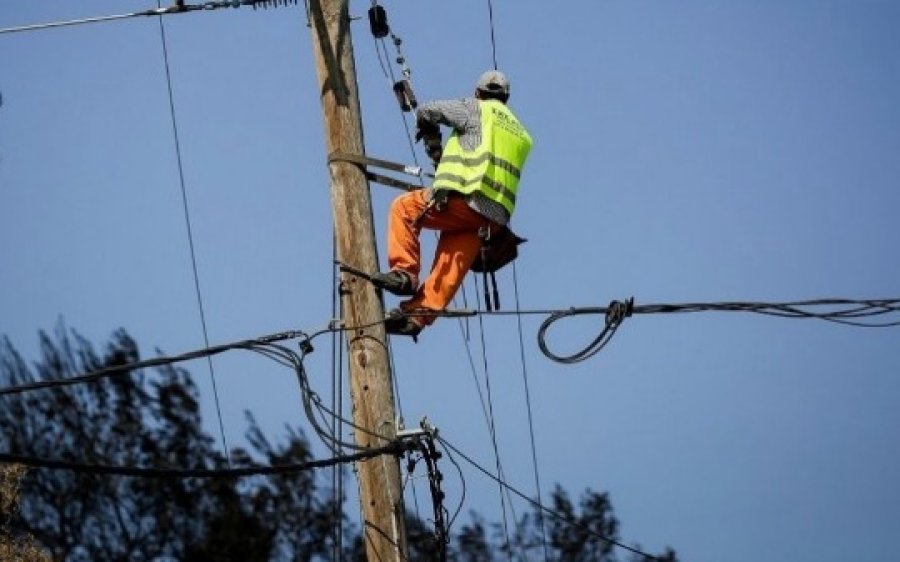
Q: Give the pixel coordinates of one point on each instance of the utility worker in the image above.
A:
(474, 190)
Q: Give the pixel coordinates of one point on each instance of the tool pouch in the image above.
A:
(498, 248)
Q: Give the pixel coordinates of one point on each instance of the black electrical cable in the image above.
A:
(395, 448)
(841, 311)
(534, 459)
(492, 426)
(543, 508)
(462, 480)
(121, 370)
(493, 39)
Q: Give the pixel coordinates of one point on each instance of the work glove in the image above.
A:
(425, 130)
(434, 149)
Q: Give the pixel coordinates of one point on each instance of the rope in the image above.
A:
(187, 220)
(395, 448)
(587, 530)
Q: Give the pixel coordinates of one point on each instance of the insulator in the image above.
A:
(270, 3)
(378, 22)
(405, 96)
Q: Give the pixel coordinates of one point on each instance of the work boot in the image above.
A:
(394, 281)
(398, 324)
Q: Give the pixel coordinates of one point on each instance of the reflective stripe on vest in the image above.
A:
(494, 167)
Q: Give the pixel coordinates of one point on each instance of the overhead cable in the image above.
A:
(546, 510)
(528, 409)
(179, 7)
(125, 369)
(493, 39)
(842, 311)
(394, 448)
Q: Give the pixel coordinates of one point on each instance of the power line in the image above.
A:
(178, 8)
(543, 508)
(842, 311)
(493, 39)
(849, 308)
(125, 369)
(492, 426)
(395, 448)
(534, 460)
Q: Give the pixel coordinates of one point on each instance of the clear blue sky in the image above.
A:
(685, 151)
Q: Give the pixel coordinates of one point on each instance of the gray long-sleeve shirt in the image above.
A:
(464, 116)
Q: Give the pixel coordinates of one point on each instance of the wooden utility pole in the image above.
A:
(370, 376)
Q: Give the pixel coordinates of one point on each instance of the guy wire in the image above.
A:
(187, 219)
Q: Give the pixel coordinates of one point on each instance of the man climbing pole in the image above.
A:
(473, 196)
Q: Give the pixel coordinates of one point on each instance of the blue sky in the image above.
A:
(685, 151)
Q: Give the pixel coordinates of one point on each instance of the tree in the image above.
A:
(14, 548)
(582, 533)
(146, 419)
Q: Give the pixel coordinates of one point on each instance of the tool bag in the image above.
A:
(498, 248)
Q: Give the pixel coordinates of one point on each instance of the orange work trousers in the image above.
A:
(457, 248)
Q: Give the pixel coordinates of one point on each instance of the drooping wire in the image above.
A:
(187, 220)
(492, 427)
(500, 480)
(534, 459)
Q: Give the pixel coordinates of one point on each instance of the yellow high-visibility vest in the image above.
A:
(494, 167)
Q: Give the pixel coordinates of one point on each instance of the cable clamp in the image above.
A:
(619, 311)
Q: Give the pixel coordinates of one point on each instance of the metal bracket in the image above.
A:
(424, 429)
